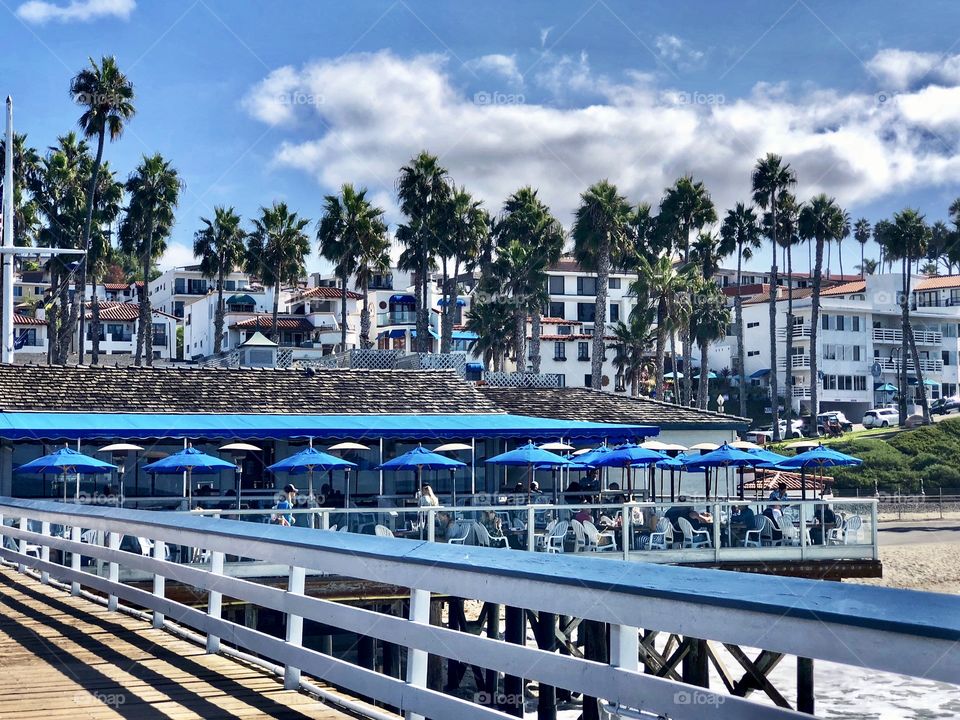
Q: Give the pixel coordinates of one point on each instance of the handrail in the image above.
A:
(891, 630)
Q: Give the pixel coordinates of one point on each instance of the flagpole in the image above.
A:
(6, 327)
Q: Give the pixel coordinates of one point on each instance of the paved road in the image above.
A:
(912, 533)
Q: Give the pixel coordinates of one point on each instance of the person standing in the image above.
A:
(290, 499)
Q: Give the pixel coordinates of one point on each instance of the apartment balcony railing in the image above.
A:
(893, 365)
(799, 331)
(397, 317)
(798, 361)
(895, 336)
(801, 391)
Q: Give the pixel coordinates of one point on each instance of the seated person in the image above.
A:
(444, 526)
(493, 523)
(617, 497)
(780, 493)
(583, 515)
(698, 520)
(826, 520)
(776, 516)
(572, 495)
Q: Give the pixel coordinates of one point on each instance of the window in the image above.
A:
(752, 325)
(230, 285)
(197, 287)
(839, 322)
(586, 286)
(614, 283)
(949, 357)
(752, 353)
(844, 382)
(857, 352)
(829, 382)
(855, 322)
(559, 351)
(860, 382)
(179, 286)
(17, 291)
(614, 313)
(562, 380)
(556, 284)
(588, 380)
(825, 322)
(620, 384)
(178, 309)
(583, 351)
(556, 310)
(829, 352)
(586, 312)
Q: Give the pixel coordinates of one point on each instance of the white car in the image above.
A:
(881, 417)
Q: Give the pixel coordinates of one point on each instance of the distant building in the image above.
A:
(179, 287)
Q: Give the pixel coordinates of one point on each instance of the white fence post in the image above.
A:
(324, 520)
(874, 538)
(45, 551)
(295, 585)
(625, 647)
(431, 525)
(626, 529)
(531, 529)
(803, 530)
(716, 532)
(75, 533)
(417, 659)
(113, 569)
(22, 545)
(159, 553)
(214, 600)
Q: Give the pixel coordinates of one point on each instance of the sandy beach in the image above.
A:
(919, 556)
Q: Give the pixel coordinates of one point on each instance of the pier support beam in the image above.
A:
(805, 691)
(696, 670)
(546, 633)
(595, 646)
(514, 632)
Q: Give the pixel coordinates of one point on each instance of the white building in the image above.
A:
(120, 324)
(179, 287)
(859, 341)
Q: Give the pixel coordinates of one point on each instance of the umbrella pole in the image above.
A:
(189, 489)
(803, 484)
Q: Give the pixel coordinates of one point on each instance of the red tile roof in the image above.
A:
(938, 282)
(857, 286)
(580, 336)
(557, 321)
(116, 286)
(265, 322)
(27, 320)
(331, 293)
(122, 312)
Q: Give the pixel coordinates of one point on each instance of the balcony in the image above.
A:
(894, 336)
(798, 361)
(801, 391)
(799, 331)
(397, 317)
(893, 365)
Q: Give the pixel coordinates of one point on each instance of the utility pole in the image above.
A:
(6, 356)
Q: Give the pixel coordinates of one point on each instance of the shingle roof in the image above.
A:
(116, 286)
(121, 312)
(587, 404)
(300, 324)
(557, 321)
(61, 388)
(857, 286)
(19, 319)
(939, 282)
(331, 293)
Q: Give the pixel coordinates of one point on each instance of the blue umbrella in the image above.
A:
(724, 456)
(768, 457)
(819, 456)
(63, 461)
(308, 460)
(531, 456)
(671, 464)
(628, 455)
(419, 458)
(189, 461)
(589, 458)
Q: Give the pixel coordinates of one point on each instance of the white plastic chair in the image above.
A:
(662, 537)
(789, 532)
(752, 536)
(332, 528)
(767, 533)
(853, 530)
(541, 538)
(581, 543)
(598, 541)
(836, 534)
(485, 539)
(459, 533)
(693, 538)
(554, 541)
(345, 528)
(382, 531)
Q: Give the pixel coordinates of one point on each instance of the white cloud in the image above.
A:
(177, 254)
(504, 66)
(41, 11)
(677, 53)
(379, 110)
(544, 34)
(902, 69)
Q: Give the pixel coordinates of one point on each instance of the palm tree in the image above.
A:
(277, 250)
(941, 241)
(601, 229)
(26, 166)
(906, 238)
(527, 222)
(771, 177)
(154, 191)
(661, 280)
(107, 96)
(490, 321)
(630, 345)
(862, 233)
(710, 319)
(741, 227)
(422, 189)
(868, 267)
(109, 194)
(353, 236)
(220, 245)
(465, 226)
(822, 220)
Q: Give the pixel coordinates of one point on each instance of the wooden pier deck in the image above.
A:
(68, 657)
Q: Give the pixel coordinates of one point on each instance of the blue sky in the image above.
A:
(256, 101)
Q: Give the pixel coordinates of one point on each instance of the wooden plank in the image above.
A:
(74, 659)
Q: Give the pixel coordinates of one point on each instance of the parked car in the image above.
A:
(944, 405)
(881, 417)
(825, 417)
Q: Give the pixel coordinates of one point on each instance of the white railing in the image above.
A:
(895, 336)
(797, 361)
(799, 331)
(869, 627)
(893, 365)
(800, 391)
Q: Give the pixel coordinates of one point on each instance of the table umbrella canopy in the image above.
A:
(66, 460)
(673, 463)
(768, 457)
(452, 447)
(627, 454)
(189, 460)
(530, 454)
(591, 456)
(724, 456)
(556, 446)
(310, 459)
(420, 457)
(819, 456)
(119, 447)
(573, 463)
(886, 387)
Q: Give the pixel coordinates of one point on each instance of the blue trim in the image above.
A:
(71, 426)
(403, 299)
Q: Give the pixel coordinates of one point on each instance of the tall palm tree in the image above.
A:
(277, 250)
(154, 191)
(771, 178)
(821, 220)
(515, 268)
(601, 229)
(862, 233)
(465, 227)
(710, 319)
(941, 241)
(906, 238)
(353, 236)
(109, 195)
(220, 244)
(526, 221)
(868, 267)
(490, 320)
(107, 96)
(741, 227)
(630, 346)
(661, 280)
(422, 190)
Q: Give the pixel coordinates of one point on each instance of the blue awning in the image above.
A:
(760, 373)
(460, 302)
(129, 426)
(403, 299)
(475, 367)
(433, 334)
(397, 333)
(463, 335)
